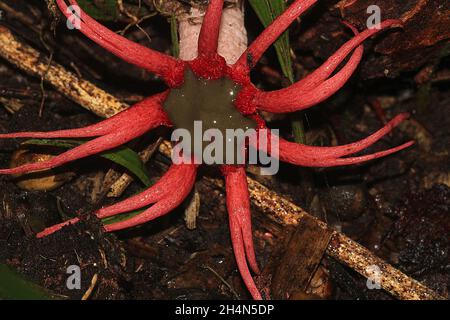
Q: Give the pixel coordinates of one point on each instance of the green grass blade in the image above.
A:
(298, 129)
(121, 217)
(105, 10)
(267, 11)
(174, 36)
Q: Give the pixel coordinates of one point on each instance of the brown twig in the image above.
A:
(80, 91)
(88, 292)
(278, 208)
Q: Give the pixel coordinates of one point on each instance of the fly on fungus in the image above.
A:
(162, 110)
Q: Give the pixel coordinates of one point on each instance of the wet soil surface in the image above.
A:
(398, 207)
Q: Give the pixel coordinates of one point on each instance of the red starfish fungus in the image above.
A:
(209, 66)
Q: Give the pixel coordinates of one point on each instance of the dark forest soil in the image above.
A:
(398, 207)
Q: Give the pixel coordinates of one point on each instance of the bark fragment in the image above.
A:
(301, 259)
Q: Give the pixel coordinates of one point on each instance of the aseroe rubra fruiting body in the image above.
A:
(210, 66)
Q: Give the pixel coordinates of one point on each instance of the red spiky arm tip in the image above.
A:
(147, 109)
(163, 188)
(169, 68)
(184, 183)
(292, 153)
(316, 87)
(117, 130)
(249, 99)
(238, 205)
(270, 34)
(179, 177)
(308, 156)
(48, 231)
(321, 74)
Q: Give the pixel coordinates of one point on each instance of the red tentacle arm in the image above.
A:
(169, 182)
(294, 153)
(291, 99)
(169, 68)
(162, 193)
(89, 148)
(134, 125)
(238, 203)
(352, 148)
(209, 34)
(309, 156)
(313, 89)
(238, 206)
(270, 34)
(144, 109)
(328, 67)
(48, 231)
(185, 181)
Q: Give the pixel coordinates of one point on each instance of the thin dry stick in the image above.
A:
(88, 293)
(278, 208)
(80, 91)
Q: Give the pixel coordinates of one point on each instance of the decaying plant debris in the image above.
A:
(404, 171)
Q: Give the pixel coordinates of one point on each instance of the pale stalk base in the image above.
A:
(232, 39)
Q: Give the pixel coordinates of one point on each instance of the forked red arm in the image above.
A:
(169, 68)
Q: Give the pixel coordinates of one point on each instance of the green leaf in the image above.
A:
(14, 287)
(121, 217)
(105, 10)
(129, 159)
(123, 156)
(67, 144)
(174, 36)
(268, 11)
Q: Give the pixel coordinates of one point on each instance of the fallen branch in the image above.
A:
(80, 91)
(278, 208)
